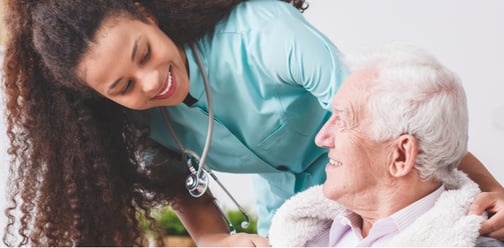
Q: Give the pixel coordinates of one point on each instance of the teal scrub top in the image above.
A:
(272, 76)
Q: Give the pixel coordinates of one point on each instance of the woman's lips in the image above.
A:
(169, 86)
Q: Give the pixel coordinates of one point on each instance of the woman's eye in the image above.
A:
(127, 87)
(146, 56)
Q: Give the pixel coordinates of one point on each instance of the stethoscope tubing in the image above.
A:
(203, 168)
(208, 140)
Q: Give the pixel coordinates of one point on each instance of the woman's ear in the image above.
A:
(404, 153)
(146, 12)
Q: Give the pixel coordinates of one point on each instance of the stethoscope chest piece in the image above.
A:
(197, 182)
(197, 187)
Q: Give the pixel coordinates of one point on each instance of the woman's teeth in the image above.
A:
(168, 86)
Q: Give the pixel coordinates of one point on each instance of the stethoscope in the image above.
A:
(197, 181)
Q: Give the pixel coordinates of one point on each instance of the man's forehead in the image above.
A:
(356, 83)
(362, 78)
(349, 101)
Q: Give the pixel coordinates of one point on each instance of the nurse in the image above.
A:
(97, 77)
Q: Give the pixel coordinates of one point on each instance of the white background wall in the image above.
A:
(466, 35)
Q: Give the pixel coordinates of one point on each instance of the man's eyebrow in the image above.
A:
(135, 47)
(339, 108)
(344, 112)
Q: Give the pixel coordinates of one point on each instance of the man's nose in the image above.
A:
(324, 137)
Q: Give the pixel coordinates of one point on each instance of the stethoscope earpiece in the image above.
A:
(245, 224)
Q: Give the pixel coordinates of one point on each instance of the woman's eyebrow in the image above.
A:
(135, 47)
(133, 53)
(113, 85)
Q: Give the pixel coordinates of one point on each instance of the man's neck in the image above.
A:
(389, 201)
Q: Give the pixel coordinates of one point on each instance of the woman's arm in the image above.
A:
(205, 224)
(491, 200)
(478, 173)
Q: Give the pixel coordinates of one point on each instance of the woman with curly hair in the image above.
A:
(102, 96)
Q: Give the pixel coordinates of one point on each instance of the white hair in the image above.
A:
(414, 94)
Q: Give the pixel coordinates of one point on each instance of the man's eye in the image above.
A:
(127, 87)
(340, 123)
(146, 56)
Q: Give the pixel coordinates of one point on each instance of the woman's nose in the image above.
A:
(149, 81)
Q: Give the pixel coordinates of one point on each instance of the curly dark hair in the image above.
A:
(77, 173)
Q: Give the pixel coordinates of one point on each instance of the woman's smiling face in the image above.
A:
(135, 64)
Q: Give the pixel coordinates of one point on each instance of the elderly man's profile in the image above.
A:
(398, 131)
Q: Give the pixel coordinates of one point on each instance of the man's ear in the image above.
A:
(146, 12)
(404, 153)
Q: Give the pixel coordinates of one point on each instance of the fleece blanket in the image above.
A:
(308, 213)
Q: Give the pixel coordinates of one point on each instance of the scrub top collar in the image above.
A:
(196, 86)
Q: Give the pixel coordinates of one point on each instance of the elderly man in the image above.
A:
(399, 129)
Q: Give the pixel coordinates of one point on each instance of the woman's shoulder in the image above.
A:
(266, 8)
(258, 14)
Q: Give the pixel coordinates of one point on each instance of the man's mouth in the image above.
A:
(335, 163)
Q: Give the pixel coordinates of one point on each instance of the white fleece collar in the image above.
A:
(308, 213)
